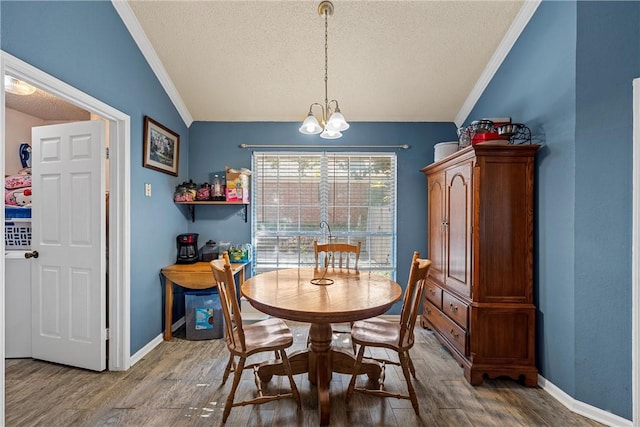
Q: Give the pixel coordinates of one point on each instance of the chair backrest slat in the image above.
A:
(234, 334)
(412, 298)
(343, 251)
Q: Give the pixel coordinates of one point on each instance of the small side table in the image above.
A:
(191, 276)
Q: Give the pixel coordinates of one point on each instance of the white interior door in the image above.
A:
(68, 233)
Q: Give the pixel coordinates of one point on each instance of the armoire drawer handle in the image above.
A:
(453, 308)
(453, 334)
(432, 291)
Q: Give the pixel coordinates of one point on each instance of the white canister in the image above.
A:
(444, 149)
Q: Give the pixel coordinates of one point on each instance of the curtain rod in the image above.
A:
(404, 146)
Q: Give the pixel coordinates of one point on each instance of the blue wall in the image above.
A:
(86, 45)
(215, 145)
(94, 52)
(568, 78)
(607, 60)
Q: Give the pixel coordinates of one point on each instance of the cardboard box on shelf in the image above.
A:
(237, 185)
(237, 195)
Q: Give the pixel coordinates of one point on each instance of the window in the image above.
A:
(355, 193)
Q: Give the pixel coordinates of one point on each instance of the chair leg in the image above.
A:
(227, 369)
(237, 373)
(411, 367)
(353, 345)
(294, 389)
(405, 360)
(356, 367)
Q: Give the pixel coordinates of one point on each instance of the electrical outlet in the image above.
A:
(147, 189)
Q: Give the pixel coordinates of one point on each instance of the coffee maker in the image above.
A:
(187, 248)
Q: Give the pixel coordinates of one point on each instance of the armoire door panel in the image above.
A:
(505, 240)
(436, 227)
(458, 225)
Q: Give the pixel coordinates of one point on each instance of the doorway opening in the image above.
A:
(118, 130)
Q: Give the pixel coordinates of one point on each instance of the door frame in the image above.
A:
(119, 206)
(635, 259)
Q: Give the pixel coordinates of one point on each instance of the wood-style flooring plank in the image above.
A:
(179, 384)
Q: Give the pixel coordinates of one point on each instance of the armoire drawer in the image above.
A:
(429, 312)
(455, 309)
(433, 293)
(446, 327)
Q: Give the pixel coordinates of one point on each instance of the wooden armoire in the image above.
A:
(479, 293)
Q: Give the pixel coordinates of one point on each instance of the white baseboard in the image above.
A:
(154, 343)
(135, 358)
(574, 405)
(181, 321)
(581, 408)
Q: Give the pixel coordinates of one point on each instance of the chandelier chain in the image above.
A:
(331, 123)
(326, 64)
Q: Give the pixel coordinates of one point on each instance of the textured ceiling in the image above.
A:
(264, 60)
(45, 106)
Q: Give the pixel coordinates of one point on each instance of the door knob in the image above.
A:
(32, 254)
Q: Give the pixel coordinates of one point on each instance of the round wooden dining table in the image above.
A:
(320, 297)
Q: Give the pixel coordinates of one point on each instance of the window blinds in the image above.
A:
(355, 193)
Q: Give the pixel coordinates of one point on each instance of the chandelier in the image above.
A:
(332, 120)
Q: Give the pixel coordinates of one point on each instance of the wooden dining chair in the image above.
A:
(343, 252)
(270, 335)
(393, 336)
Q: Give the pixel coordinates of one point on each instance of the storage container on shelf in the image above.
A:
(240, 253)
(209, 251)
(17, 227)
(444, 149)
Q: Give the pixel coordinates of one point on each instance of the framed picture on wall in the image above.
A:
(161, 147)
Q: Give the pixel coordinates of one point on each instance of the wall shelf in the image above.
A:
(192, 206)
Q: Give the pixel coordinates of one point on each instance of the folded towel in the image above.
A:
(17, 181)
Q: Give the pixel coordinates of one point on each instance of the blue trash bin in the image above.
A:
(203, 315)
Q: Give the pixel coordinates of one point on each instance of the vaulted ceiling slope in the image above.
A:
(401, 61)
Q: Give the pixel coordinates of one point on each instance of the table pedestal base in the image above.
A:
(320, 360)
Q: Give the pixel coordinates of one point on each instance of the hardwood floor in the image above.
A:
(178, 384)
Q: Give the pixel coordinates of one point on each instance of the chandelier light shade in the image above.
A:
(17, 87)
(332, 123)
(337, 122)
(330, 134)
(310, 126)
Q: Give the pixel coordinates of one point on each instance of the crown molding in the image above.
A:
(135, 29)
(519, 23)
